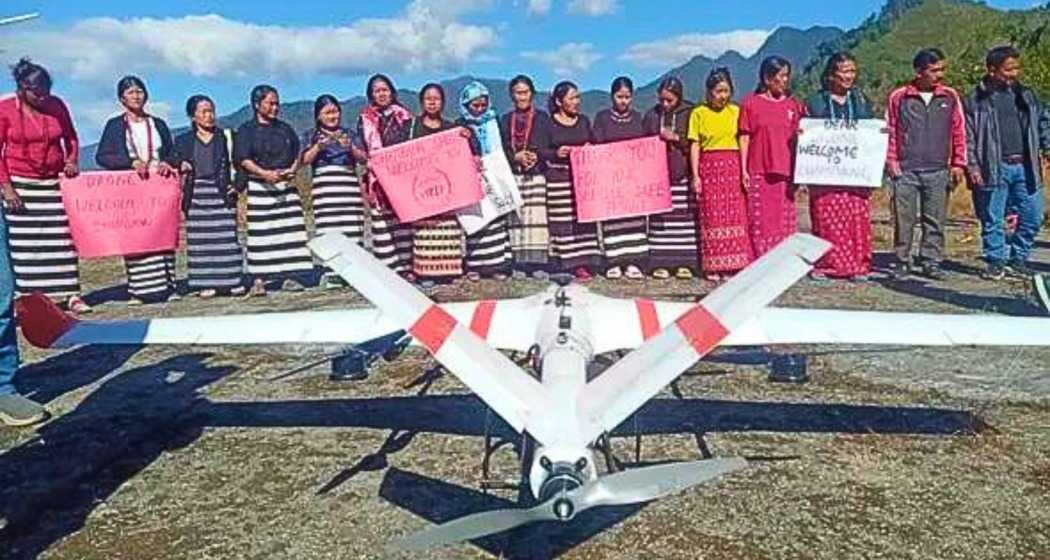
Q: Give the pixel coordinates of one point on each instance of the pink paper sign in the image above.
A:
(429, 176)
(621, 179)
(117, 213)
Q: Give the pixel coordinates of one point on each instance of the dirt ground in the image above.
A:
(201, 453)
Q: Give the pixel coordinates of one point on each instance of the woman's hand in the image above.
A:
(745, 181)
(668, 135)
(465, 132)
(698, 185)
(564, 151)
(71, 169)
(12, 201)
(185, 168)
(165, 170)
(522, 158)
(141, 167)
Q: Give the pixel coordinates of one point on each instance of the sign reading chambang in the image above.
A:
(115, 213)
(621, 179)
(841, 153)
(428, 176)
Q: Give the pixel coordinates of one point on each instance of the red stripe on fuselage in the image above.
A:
(481, 321)
(647, 318)
(433, 328)
(701, 329)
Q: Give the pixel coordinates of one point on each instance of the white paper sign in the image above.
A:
(840, 153)
(502, 195)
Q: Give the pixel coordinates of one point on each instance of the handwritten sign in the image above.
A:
(117, 213)
(840, 153)
(621, 179)
(428, 176)
(502, 195)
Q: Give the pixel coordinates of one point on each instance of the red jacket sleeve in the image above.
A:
(892, 123)
(958, 158)
(69, 134)
(5, 174)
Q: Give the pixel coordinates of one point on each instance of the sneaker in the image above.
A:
(994, 272)
(900, 271)
(77, 305)
(582, 274)
(933, 271)
(16, 410)
(290, 285)
(614, 273)
(541, 275)
(1019, 270)
(1042, 291)
(331, 281)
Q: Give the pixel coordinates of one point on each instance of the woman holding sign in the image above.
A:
(385, 122)
(488, 249)
(209, 200)
(769, 121)
(38, 145)
(336, 191)
(438, 244)
(842, 215)
(267, 151)
(137, 140)
(725, 247)
(526, 132)
(574, 245)
(672, 235)
(625, 242)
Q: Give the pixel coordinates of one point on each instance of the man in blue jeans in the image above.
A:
(1007, 134)
(15, 410)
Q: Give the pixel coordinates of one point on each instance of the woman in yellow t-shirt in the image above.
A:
(725, 247)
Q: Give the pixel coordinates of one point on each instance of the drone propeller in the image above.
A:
(622, 488)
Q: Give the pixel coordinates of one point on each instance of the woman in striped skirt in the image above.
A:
(37, 144)
(336, 192)
(488, 249)
(672, 235)
(574, 245)
(267, 151)
(526, 130)
(209, 201)
(625, 242)
(385, 122)
(137, 140)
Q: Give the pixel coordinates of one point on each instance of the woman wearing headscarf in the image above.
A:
(209, 201)
(329, 150)
(267, 151)
(526, 132)
(672, 235)
(488, 249)
(725, 247)
(769, 121)
(139, 141)
(385, 122)
(625, 242)
(38, 144)
(574, 245)
(842, 215)
(438, 245)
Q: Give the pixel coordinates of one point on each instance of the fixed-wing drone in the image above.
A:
(563, 328)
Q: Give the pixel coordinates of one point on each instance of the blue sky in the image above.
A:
(307, 47)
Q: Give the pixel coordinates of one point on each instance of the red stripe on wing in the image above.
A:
(433, 328)
(481, 321)
(701, 329)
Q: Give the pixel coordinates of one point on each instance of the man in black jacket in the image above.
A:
(1007, 133)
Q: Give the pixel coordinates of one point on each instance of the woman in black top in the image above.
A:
(625, 242)
(574, 245)
(329, 150)
(672, 235)
(209, 201)
(137, 140)
(526, 140)
(267, 152)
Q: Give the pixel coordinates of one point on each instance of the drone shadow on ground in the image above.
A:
(51, 484)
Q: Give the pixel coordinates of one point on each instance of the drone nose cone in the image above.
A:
(564, 509)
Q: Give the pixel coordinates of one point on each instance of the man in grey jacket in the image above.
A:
(1008, 134)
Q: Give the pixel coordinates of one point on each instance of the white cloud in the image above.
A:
(427, 35)
(681, 48)
(594, 8)
(567, 60)
(538, 7)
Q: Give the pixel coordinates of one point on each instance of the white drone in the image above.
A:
(564, 327)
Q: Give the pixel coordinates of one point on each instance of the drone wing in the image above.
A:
(513, 394)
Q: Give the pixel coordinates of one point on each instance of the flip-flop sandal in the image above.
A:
(661, 274)
(684, 274)
(614, 273)
(634, 273)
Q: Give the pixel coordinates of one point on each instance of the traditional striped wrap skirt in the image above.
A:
(391, 238)
(276, 232)
(573, 244)
(337, 203)
(438, 248)
(42, 252)
(626, 242)
(529, 236)
(215, 257)
(151, 276)
(488, 249)
(673, 235)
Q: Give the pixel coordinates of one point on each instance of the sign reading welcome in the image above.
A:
(841, 153)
